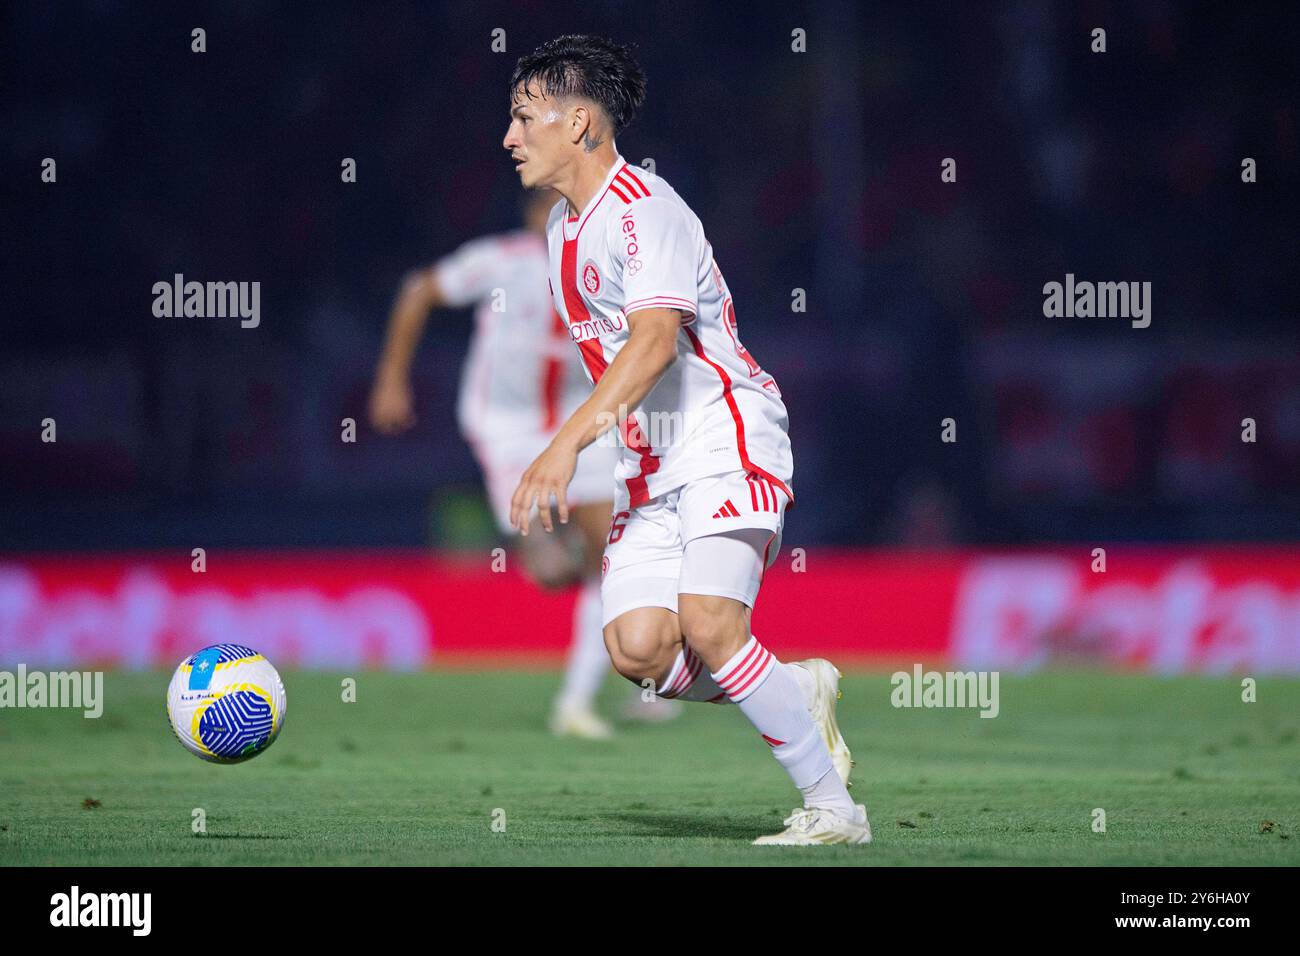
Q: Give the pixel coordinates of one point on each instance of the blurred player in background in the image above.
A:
(703, 482)
(520, 382)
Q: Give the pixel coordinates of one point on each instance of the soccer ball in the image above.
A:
(226, 703)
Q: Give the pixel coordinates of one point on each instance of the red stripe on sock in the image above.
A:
(753, 677)
(674, 686)
(743, 678)
(724, 679)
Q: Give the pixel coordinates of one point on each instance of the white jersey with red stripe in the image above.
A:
(520, 377)
(637, 246)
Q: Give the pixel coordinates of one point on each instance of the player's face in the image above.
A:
(535, 138)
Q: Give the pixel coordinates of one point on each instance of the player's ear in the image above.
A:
(580, 120)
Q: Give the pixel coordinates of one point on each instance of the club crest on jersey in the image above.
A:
(591, 278)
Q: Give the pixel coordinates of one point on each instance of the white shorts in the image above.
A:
(714, 535)
(504, 459)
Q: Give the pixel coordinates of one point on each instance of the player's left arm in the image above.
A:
(649, 352)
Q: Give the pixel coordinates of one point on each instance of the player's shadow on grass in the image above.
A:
(674, 824)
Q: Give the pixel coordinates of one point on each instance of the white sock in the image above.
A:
(768, 693)
(689, 679)
(830, 793)
(588, 659)
(803, 677)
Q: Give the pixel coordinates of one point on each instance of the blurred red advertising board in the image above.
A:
(1220, 610)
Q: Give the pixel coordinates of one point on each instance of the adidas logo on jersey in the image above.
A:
(728, 510)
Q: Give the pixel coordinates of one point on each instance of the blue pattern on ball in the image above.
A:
(228, 653)
(237, 725)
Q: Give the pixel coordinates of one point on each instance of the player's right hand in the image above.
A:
(546, 478)
(391, 405)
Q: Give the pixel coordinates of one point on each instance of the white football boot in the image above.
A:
(826, 691)
(814, 826)
(568, 720)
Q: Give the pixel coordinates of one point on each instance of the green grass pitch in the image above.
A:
(412, 772)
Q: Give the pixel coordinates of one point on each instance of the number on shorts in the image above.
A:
(617, 525)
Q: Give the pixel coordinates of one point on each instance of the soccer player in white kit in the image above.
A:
(519, 382)
(704, 476)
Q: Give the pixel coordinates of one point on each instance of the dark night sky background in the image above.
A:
(817, 170)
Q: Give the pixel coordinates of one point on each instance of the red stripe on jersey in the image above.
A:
(591, 208)
(629, 186)
(658, 301)
(735, 414)
(637, 489)
(627, 173)
(594, 357)
(619, 192)
(558, 328)
(552, 377)
(592, 354)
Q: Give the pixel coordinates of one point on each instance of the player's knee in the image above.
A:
(638, 651)
(713, 627)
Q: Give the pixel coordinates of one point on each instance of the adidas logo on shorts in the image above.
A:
(728, 510)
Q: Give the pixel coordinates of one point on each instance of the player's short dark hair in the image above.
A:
(593, 67)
